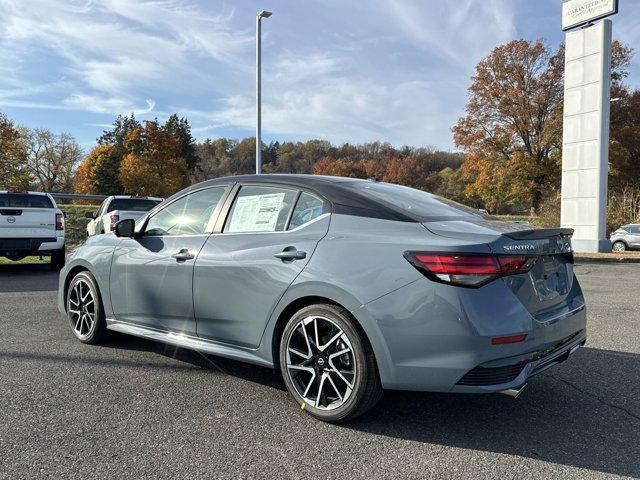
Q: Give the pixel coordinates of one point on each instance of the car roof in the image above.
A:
(25, 192)
(336, 190)
(127, 197)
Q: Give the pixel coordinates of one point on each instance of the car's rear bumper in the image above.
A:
(428, 337)
(31, 244)
(490, 377)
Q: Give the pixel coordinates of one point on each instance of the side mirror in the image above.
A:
(90, 215)
(125, 228)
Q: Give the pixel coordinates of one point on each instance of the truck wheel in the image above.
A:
(58, 259)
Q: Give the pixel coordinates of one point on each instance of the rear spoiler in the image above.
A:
(539, 233)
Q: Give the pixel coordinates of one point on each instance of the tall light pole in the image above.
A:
(261, 15)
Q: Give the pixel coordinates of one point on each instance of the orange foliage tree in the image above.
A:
(153, 165)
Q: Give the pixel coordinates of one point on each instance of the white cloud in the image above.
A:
(114, 48)
(97, 104)
(460, 31)
(392, 70)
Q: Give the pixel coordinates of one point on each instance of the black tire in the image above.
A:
(367, 388)
(618, 247)
(98, 330)
(58, 258)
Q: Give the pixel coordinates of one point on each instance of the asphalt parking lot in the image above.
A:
(134, 408)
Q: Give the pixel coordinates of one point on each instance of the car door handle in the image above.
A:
(183, 255)
(291, 253)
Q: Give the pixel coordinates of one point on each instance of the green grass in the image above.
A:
(76, 223)
(6, 261)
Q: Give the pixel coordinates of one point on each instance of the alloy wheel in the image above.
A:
(321, 363)
(81, 307)
(619, 247)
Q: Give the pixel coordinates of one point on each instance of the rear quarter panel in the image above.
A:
(358, 261)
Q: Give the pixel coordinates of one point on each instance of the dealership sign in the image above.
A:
(580, 12)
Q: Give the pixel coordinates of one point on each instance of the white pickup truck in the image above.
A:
(116, 208)
(31, 224)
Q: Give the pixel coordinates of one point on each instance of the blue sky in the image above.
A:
(342, 70)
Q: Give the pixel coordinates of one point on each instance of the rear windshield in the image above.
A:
(24, 200)
(417, 203)
(132, 204)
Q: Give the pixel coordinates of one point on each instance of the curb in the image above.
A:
(633, 259)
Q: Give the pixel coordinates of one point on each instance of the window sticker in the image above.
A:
(256, 213)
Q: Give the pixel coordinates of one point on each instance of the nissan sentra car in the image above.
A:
(347, 286)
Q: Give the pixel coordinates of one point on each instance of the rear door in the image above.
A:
(152, 275)
(241, 273)
(26, 215)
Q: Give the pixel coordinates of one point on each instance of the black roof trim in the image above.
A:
(336, 190)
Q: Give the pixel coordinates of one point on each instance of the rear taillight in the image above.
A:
(114, 219)
(59, 221)
(468, 269)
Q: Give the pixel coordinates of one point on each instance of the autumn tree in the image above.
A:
(13, 171)
(99, 172)
(514, 121)
(153, 165)
(512, 130)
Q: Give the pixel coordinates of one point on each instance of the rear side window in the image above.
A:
(308, 207)
(132, 204)
(416, 202)
(24, 200)
(260, 209)
(634, 229)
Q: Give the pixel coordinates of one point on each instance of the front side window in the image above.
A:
(187, 216)
(260, 209)
(308, 207)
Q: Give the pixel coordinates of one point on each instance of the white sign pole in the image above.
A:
(585, 143)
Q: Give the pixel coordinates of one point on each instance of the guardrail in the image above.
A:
(77, 196)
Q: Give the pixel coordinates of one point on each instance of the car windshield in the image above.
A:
(132, 204)
(417, 202)
(24, 200)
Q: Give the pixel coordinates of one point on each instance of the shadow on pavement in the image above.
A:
(27, 277)
(584, 414)
(252, 373)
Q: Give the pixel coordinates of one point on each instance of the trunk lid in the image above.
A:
(545, 290)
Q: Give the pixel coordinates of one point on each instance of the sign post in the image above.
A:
(585, 140)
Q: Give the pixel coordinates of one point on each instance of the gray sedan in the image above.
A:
(347, 286)
(626, 237)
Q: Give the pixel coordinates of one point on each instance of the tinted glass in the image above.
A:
(132, 204)
(308, 207)
(634, 229)
(416, 202)
(186, 216)
(24, 200)
(260, 209)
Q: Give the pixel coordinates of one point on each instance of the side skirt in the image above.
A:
(186, 341)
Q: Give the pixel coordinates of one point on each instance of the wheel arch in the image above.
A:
(288, 311)
(304, 296)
